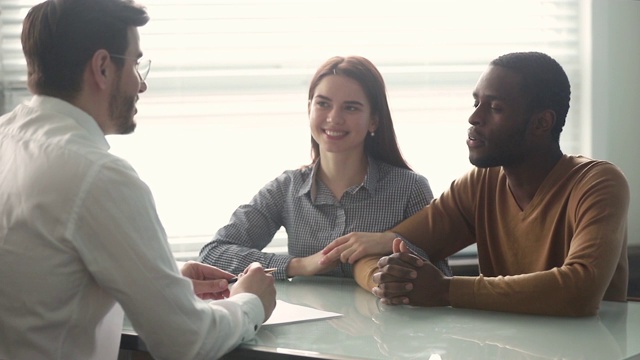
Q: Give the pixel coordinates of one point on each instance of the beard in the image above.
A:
(484, 162)
(508, 152)
(121, 110)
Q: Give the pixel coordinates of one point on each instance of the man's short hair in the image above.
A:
(59, 37)
(544, 81)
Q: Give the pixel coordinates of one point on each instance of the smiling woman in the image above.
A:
(226, 109)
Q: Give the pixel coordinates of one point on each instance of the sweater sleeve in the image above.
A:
(420, 196)
(363, 271)
(445, 226)
(414, 229)
(594, 266)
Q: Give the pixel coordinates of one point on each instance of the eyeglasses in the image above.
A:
(142, 65)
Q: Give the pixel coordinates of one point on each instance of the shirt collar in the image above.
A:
(371, 180)
(369, 183)
(309, 186)
(84, 120)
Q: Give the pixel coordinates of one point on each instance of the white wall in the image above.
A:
(615, 100)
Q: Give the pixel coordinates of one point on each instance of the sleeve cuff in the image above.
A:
(280, 262)
(461, 293)
(363, 271)
(254, 313)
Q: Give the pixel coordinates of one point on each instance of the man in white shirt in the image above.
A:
(78, 228)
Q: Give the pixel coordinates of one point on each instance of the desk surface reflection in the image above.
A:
(370, 330)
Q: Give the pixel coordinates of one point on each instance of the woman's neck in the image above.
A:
(339, 172)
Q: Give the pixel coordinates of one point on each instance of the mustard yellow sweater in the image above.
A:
(562, 255)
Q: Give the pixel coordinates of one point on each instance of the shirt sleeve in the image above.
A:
(421, 195)
(251, 228)
(118, 234)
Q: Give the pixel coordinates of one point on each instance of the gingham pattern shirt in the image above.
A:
(387, 196)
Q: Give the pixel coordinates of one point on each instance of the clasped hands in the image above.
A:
(406, 279)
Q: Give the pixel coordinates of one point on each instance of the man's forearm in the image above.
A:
(363, 271)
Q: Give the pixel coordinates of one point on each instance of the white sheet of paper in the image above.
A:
(289, 313)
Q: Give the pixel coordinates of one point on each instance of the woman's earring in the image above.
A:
(372, 134)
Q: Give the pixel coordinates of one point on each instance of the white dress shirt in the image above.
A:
(79, 231)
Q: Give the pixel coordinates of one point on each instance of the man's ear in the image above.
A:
(543, 121)
(100, 67)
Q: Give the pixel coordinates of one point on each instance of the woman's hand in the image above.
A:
(310, 265)
(356, 245)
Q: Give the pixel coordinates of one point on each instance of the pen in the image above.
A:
(266, 271)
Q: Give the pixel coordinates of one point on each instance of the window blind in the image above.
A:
(226, 108)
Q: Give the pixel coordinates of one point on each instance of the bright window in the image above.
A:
(226, 107)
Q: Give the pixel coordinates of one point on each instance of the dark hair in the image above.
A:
(543, 81)
(59, 38)
(383, 146)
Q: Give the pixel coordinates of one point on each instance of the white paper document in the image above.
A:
(290, 313)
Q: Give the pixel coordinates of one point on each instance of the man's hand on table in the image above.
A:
(407, 279)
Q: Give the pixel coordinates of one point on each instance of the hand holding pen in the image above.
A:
(209, 282)
(266, 271)
(255, 280)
